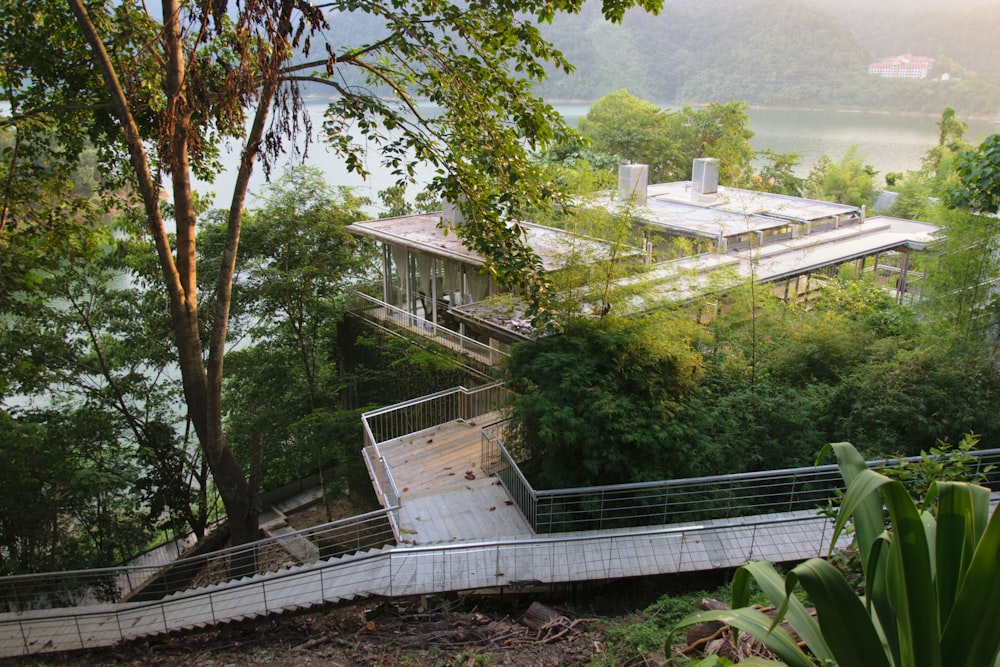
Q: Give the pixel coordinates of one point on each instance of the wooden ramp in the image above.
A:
(444, 494)
(420, 570)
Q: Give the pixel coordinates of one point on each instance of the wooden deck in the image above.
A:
(445, 496)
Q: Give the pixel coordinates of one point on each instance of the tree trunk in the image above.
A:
(202, 382)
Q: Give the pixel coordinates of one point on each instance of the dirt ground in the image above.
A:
(478, 633)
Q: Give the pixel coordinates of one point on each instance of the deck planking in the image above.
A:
(445, 495)
(439, 459)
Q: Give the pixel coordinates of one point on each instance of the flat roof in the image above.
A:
(698, 220)
(427, 233)
(750, 202)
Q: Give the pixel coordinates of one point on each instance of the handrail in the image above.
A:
(481, 352)
(390, 422)
(407, 571)
(674, 501)
(76, 587)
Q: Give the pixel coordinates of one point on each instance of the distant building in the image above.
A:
(906, 66)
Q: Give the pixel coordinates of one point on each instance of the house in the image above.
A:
(433, 285)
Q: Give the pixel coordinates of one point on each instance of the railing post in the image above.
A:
(791, 493)
(24, 637)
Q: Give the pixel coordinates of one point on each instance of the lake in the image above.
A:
(889, 143)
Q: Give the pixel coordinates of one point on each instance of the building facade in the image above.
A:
(906, 66)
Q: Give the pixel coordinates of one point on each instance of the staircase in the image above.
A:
(394, 571)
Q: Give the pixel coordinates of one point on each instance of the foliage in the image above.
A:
(283, 386)
(979, 177)
(777, 174)
(83, 351)
(635, 130)
(849, 181)
(592, 402)
(887, 411)
(932, 581)
(67, 497)
(943, 463)
(958, 294)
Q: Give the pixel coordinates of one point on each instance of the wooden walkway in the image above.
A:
(445, 497)
(459, 532)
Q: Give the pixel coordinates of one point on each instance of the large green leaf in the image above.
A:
(758, 625)
(866, 510)
(909, 578)
(846, 624)
(959, 527)
(773, 586)
(971, 633)
(864, 506)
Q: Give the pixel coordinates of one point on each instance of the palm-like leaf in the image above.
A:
(758, 625)
(933, 581)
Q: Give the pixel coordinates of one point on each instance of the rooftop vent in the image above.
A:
(705, 176)
(632, 182)
(451, 214)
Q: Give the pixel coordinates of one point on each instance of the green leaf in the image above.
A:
(758, 625)
(958, 531)
(865, 507)
(847, 627)
(971, 629)
(773, 586)
(909, 578)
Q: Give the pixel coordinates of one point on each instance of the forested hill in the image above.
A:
(781, 53)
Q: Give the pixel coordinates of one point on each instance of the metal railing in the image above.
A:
(83, 587)
(370, 307)
(676, 501)
(401, 419)
(395, 421)
(408, 571)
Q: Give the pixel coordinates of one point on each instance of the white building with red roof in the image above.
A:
(906, 66)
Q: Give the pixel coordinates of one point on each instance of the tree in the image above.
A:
(633, 130)
(951, 142)
(979, 178)
(156, 93)
(594, 403)
(849, 181)
(283, 385)
(86, 336)
(777, 173)
(638, 131)
(718, 130)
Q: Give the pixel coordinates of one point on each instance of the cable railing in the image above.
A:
(415, 415)
(669, 502)
(369, 306)
(408, 571)
(114, 584)
(395, 421)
